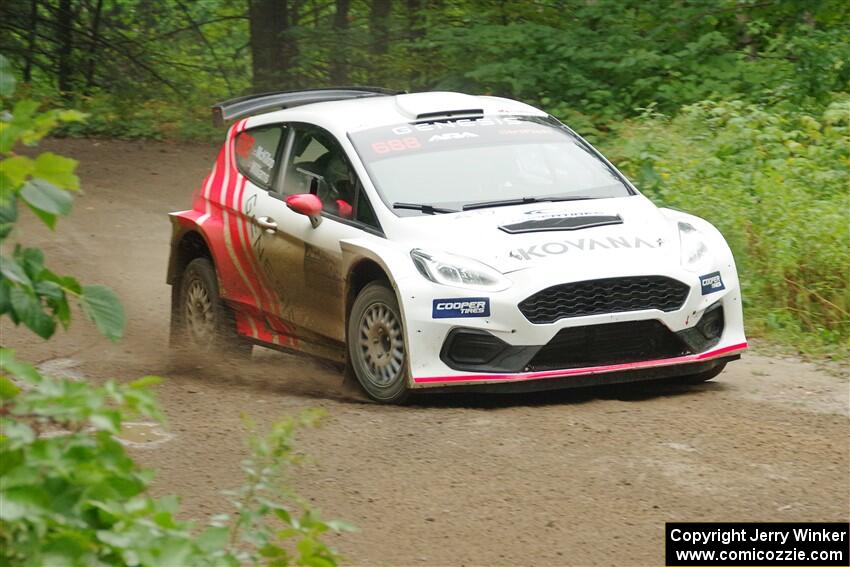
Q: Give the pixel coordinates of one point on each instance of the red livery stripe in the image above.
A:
(581, 371)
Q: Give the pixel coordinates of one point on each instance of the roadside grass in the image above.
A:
(776, 183)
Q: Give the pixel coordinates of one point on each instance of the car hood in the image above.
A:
(628, 230)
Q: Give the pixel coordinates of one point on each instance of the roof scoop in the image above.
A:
(561, 223)
(433, 107)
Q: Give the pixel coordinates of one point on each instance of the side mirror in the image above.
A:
(306, 204)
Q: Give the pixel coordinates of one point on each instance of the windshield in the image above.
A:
(449, 165)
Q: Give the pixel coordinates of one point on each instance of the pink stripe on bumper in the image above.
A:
(581, 371)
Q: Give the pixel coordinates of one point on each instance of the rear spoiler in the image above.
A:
(266, 102)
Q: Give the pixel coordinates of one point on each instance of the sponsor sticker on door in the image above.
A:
(461, 307)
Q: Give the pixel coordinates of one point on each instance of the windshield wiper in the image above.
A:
(523, 201)
(427, 209)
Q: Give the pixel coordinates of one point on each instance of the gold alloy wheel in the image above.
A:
(381, 345)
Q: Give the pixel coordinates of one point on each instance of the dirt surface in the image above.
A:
(566, 478)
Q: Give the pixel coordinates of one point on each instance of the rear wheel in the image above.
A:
(376, 348)
(205, 324)
(703, 376)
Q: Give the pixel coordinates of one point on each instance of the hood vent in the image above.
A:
(561, 223)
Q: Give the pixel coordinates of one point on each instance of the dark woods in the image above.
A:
(604, 58)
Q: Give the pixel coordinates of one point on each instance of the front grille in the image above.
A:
(610, 343)
(612, 295)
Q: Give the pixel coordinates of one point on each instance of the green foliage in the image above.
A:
(777, 185)
(70, 495)
(271, 533)
(7, 78)
(138, 116)
(30, 293)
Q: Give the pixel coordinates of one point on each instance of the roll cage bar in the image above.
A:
(258, 103)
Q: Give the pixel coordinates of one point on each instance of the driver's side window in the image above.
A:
(317, 165)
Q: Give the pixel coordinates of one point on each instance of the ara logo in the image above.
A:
(461, 307)
(451, 136)
(711, 282)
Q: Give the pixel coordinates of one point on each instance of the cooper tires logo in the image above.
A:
(461, 307)
(711, 282)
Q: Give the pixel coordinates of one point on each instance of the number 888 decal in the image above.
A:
(396, 145)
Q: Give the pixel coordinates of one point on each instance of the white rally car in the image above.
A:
(436, 240)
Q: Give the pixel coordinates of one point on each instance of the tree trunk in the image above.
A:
(415, 32)
(31, 39)
(95, 38)
(379, 30)
(379, 25)
(273, 48)
(339, 53)
(64, 35)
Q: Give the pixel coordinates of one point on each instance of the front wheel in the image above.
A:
(376, 348)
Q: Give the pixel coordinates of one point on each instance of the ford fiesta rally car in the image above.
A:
(439, 239)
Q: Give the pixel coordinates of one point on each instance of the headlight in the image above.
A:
(694, 251)
(458, 271)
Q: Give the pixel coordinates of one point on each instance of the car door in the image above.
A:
(303, 263)
(257, 153)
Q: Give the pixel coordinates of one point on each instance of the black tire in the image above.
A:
(701, 377)
(205, 325)
(376, 351)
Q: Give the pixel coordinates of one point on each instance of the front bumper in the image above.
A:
(590, 378)
(428, 335)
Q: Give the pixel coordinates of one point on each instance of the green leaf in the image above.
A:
(283, 515)
(67, 282)
(22, 113)
(57, 170)
(17, 433)
(175, 552)
(7, 78)
(106, 421)
(49, 219)
(5, 304)
(340, 526)
(8, 215)
(28, 310)
(50, 290)
(10, 269)
(9, 134)
(317, 561)
(16, 169)
(12, 457)
(213, 539)
(18, 369)
(270, 550)
(102, 306)
(62, 310)
(21, 502)
(307, 547)
(8, 389)
(115, 539)
(72, 116)
(47, 198)
(31, 260)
